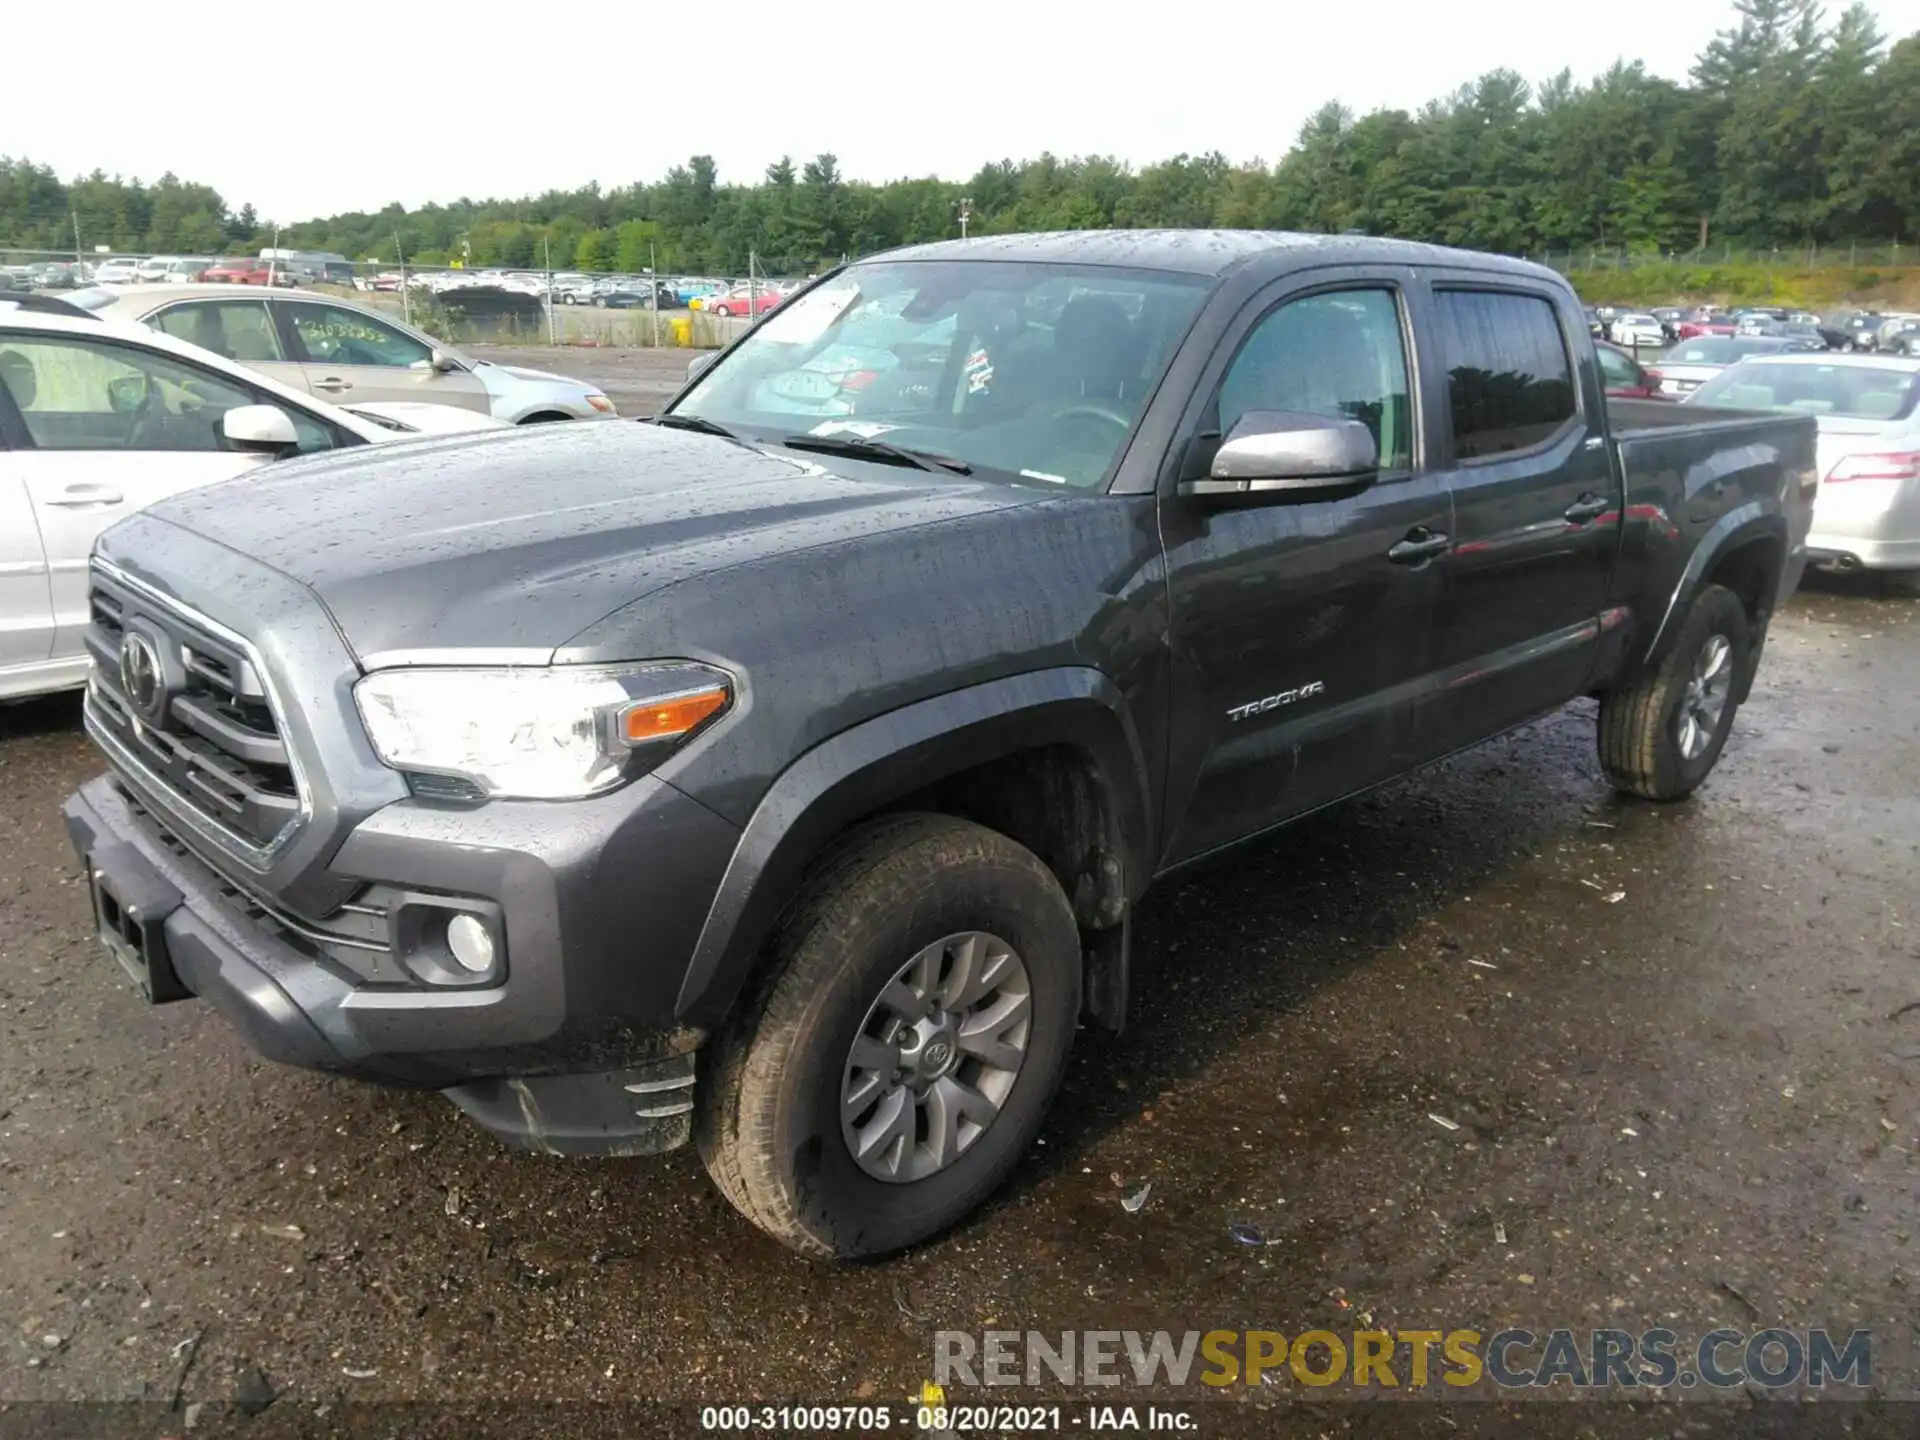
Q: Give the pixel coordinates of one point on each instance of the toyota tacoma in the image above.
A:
(781, 775)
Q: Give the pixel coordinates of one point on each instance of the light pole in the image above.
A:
(966, 214)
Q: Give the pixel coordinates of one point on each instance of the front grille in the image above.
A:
(210, 742)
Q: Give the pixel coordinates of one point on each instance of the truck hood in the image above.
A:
(522, 540)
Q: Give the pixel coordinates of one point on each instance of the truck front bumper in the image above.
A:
(573, 1050)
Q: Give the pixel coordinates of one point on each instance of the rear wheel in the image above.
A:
(909, 1036)
(1661, 735)
(1903, 582)
(722, 311)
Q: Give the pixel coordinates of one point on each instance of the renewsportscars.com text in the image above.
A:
(1410, 1359)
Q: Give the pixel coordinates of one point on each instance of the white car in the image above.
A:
(344, 352)
(97, 419)
(1637, 330)
(115, 272)
(1866, 515)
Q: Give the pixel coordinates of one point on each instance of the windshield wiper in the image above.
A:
(865, 447)
(698, 423)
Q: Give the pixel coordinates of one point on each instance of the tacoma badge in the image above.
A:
(1274, 702)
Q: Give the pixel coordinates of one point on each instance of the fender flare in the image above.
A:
(1754, 520)
(865, 767)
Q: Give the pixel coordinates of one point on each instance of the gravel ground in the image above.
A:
(1675, 1050)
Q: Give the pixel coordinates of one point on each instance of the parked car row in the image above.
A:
(342, 351)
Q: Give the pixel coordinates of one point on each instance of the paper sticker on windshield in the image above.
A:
(865, 429)
(979, 372)
(802, 321)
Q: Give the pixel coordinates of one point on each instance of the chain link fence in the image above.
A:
(1892, 254)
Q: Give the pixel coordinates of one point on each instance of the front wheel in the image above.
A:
(1661, 734)
(722, 311)
(910, 1033)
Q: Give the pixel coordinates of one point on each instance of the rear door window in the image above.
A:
(1510, 382)
(241, 330)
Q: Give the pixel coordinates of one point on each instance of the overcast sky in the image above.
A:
(308, 110)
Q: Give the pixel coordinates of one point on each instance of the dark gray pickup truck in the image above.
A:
(782, 774)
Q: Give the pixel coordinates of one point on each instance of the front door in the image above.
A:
(1300, 630)
(26, 606)
(347, 355)
(106, 427)
(1536, 516)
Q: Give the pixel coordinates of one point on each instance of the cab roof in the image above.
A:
(1207, 252)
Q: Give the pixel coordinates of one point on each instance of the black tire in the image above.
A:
(1904, 583)
(723, 312)
(1640, 723)
(768, 1125)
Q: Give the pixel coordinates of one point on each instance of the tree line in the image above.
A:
(1791, 131)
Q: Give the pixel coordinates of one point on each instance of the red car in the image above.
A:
(237, 272)
(742, 300)
(1625, 377)
(1705, 321)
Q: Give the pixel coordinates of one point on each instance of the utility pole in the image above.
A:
(75, 215)
(273, 260)
(546, 249)
(966, 214)
(406, 290)
(653, 280)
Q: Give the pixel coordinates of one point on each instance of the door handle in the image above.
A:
(333, 382)
(1587, 507)
(1420, 546)
(78, 497)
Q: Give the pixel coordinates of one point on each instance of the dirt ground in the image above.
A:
(1490, 1047)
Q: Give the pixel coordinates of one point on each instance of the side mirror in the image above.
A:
(699, 363)
(1290, 455)
(260, 428)
(444, 361)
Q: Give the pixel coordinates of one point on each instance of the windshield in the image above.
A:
(1033, 371)
(1860, 392)
(1719, 350)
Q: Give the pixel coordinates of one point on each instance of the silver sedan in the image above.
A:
(1867, 513)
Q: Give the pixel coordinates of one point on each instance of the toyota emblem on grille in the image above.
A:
(140, 675)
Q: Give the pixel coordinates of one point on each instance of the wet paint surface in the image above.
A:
(1688, 1105)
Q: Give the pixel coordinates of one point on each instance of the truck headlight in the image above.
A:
(553, 733)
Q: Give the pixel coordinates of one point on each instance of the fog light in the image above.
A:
(470, 943)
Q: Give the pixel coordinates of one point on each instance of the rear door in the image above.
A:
(1301, 629)
(345, 354)
(241, 329)
(1536, 517)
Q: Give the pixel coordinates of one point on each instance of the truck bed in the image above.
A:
(1686, 470)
